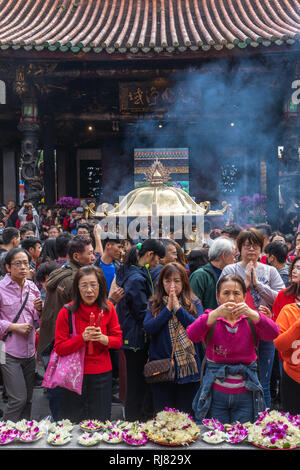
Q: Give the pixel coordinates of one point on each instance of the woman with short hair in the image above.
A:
(18, 369)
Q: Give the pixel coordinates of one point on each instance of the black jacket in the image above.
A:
(138, 288)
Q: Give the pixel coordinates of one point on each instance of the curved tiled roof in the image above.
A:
(118, 26)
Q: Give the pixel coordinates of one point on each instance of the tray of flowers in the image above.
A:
(89, 439)
(172, 427)
(134, 435)
(275, 430)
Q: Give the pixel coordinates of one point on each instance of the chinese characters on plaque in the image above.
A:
(151, 96)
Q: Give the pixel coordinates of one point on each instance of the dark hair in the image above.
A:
(52, 227)
(30, 242)
(9, 234)
(61, 244)
(139, 250)
(295, 237)
(77, 245)
(181, 258)
(44, 270)
(265, 229)
(101, 300)
(110, 237)
(294, 288)
(86, 226)
(167, 242)
(15, 251)
(197, 258)
(186, 296)
(231, 277)
(28, 226)
(276, 234)
(289, 238)
(277, 249)
(232, 230)
(252, 235)
(48, 252)
(215, 233)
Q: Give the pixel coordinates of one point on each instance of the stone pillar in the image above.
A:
(9, 175)
(30, 128)
(30, 173)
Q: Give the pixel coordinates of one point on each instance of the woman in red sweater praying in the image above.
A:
(98, 330)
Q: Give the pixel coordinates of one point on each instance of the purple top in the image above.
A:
(11, 300)
(232, 344)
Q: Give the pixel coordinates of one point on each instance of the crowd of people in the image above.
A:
(226, 314)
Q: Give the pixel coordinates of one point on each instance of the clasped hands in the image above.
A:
(232, 311)
(250, 275)
(172, 300)
(94, 333)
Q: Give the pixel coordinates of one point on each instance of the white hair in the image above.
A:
(219, 246)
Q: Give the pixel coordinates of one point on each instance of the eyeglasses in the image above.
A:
(248, 246)
(93, 286)
(18, 264)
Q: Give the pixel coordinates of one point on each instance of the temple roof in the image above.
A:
(141, 26)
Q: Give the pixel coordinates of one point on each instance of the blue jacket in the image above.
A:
(138, 288)
(160, 342)
(202, 400)
(155, 272)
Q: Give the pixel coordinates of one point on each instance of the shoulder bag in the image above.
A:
(161, 370)
(15, 320)
(66, 371)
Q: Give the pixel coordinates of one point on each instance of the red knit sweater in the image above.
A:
(99, 362)
(280, 301)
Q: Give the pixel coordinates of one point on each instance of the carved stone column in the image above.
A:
(30, 128)
(30, 173)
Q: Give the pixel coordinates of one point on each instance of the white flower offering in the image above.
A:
(31, 436)
(91, 425)
(63, 425)
(134, 434)
(59, 439)
(214, 437)
(8, 435)
(275, 430)
(25, 425)
(112, 435)
(89, 439)
(172, 427)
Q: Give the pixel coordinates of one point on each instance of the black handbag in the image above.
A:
(161, 370)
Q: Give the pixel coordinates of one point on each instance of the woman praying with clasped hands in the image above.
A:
(231, 384)
(263, 282)
(173, 307)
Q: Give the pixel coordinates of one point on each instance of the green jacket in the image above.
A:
(203, 283)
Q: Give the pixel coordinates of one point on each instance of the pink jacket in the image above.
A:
(11, 300)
